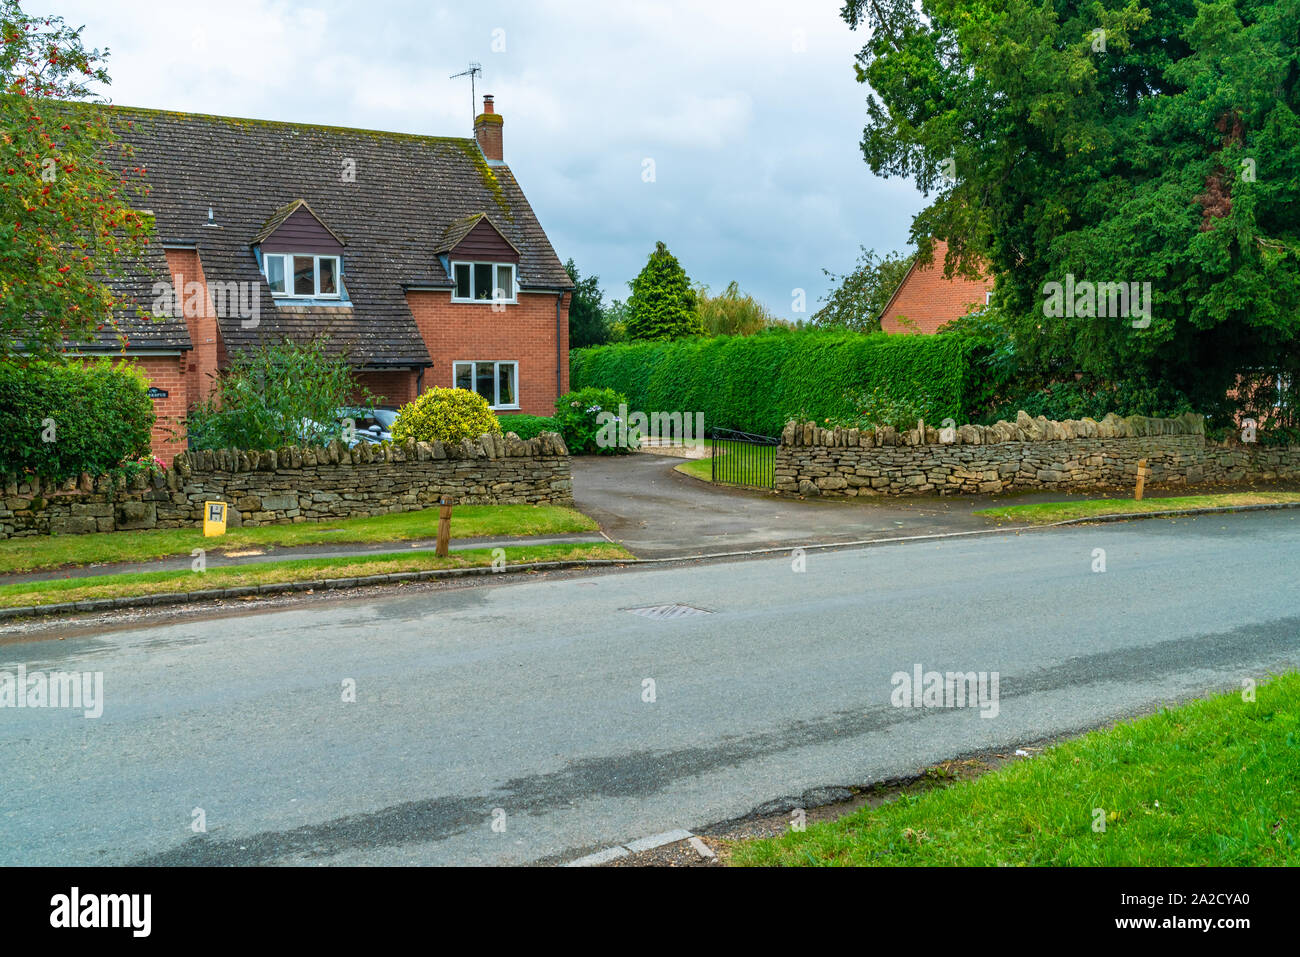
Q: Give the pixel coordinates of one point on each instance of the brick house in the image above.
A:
(925, 300)
(416, 255)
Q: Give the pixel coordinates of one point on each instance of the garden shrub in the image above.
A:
(529, 426)
(282, 393)
(445, 415)
(880, 406)
(586, 431)
(96, 416)
(1079, 398)
(757, 383)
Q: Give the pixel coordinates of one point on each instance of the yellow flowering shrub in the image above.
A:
(445, 415)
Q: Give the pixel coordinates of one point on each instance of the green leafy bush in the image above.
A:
(757, 383)
(445, 415)
(279, 394)
(881, 406)
(57, 421)
(529, 426)
(586, 431)
(1079, 398)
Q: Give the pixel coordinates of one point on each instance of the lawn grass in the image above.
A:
(1045, 512)
(26, 594)
(467, 521)
(1212, 783)
(752, 470)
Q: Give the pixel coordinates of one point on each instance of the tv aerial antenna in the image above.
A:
(475, 70)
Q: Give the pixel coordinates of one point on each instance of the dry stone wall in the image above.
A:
(1030, 453)
(298, 485)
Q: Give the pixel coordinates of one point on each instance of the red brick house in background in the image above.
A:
(416, 255)
(924, 301)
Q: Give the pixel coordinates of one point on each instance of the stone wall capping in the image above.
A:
(1033, 453)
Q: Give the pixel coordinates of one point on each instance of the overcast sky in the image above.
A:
(748, 109)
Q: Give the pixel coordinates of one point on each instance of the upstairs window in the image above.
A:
(302, 277)
(483, 282)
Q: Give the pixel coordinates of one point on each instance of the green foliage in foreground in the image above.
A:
(1213, 783)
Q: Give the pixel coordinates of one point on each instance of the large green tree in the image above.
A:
(860, 297)
(663, 303)
(68, 231)
(1111, 142)
(732, 312)
(586, 310)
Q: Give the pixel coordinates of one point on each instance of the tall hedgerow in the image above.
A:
(756, 383)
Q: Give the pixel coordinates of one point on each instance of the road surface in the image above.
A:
(524, 704)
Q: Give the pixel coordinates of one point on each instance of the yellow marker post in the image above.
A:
(214, 518)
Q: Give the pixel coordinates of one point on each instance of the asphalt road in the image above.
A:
(523, 703)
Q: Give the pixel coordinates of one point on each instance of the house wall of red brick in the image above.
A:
(396, 387)
(201, 318)
(523, 332)
(168, 373)
(926, 300)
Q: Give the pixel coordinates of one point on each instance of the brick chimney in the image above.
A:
(487, 130)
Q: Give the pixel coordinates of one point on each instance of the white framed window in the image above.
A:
(498, 382)
(302, 276)
(483, 282)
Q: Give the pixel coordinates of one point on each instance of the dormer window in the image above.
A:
(302, 276)
(301, 257)
(483, 282)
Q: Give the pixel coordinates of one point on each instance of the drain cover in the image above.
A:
(665, 612)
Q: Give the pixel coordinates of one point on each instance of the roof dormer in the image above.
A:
(480, 261)
(299, 255)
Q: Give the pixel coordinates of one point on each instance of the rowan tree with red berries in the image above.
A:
(68, 232)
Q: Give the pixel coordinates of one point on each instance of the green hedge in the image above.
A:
(529, 426)
(756, 383)
(97, 415)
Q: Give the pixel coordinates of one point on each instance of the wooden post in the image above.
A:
(1142, 479)
(444, 526)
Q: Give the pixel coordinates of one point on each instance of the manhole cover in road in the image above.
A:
(665, 612)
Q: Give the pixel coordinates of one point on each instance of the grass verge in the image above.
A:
(295, 570)
(1045, 512)
(467, 521)
(1212, 783)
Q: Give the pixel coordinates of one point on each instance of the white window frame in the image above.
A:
(512, 294)
(496, 377)
(288, 276)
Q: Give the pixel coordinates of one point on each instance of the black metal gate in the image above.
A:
(741, 458)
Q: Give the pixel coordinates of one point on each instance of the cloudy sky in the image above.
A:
(748, 110)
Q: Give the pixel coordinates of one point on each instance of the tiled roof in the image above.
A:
(168, 333)
(406, 192)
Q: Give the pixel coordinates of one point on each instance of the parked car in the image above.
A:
(368, 425)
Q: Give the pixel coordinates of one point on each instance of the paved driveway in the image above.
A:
(658, 513)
